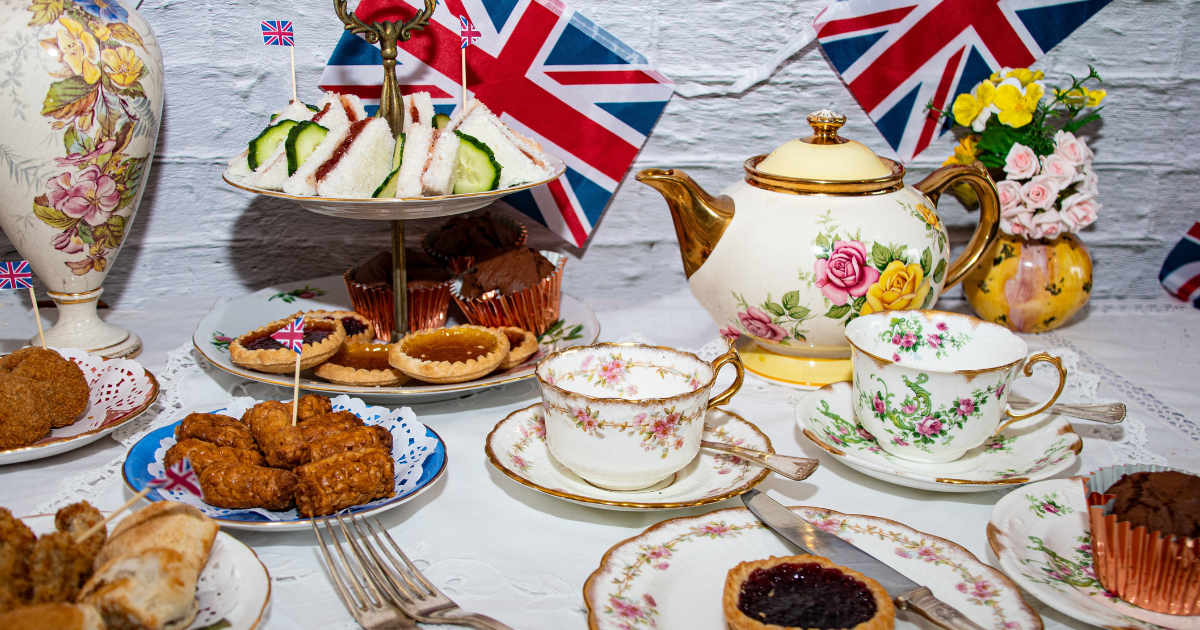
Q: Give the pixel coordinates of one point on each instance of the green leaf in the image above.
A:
(85, 233)
(108, 123)
(774, 308)
(70, 138)
(69, 97)
(900, 252)
(791, 300)
(928, 300)
(134, 91)
(1074, 125)
(992, 161)
(54, 218)
(799, 336)
(881, 255)
(110, 234)
(822, 242)
(799, 312)
(838, 312)
(940, 271)
(997, 140)
(858, 303)
(927, 261)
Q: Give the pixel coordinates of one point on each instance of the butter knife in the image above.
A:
(907, 594)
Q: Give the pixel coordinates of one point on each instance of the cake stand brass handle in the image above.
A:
(732, 358)
(923, 602)
(1062, 381)
(794, 468)
(975, 176)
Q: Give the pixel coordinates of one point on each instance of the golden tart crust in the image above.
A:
(449, 355)
(520, 351)
(885, 611)
(359, 364)
(365, 335)
(281, 360)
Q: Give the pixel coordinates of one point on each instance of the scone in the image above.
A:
(804, 593)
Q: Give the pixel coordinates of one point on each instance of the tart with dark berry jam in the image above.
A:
(358, 328)
(257, 350)
(804, 593)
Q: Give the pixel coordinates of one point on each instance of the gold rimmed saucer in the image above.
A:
(517, 447)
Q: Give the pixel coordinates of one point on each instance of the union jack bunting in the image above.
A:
(291, 335)
(178, 477)
(897, 56)
(278, 33)
(468, 32)
(1181, 270)
(15, 275)
(546, 70)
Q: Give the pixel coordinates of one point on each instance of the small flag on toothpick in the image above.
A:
(179, 477)
(291, 337)
(16, 275)
(469, 35)
(279, 33)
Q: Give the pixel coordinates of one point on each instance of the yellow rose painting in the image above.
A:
(900, 286)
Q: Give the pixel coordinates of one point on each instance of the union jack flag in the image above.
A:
(15, 275)
(896, 56)
(468, 32)
(1181, 270)
(546, 70)
(278, 33)
(291, 335)
(178, 477)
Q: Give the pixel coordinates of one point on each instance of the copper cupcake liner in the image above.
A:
(534, 308)
(426, 307)
(1145, 568)
(459, 264)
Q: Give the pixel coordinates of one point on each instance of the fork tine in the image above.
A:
(416, 592)
(351, 605)
(354, 582)
(386, 580)
(424, 582)
(363, 562)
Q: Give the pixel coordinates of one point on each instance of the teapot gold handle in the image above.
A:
(975, 176)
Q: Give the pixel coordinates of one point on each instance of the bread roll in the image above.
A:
(53, 617)
(153, 589)
(166, 524)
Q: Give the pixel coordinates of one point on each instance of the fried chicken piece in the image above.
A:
(280, 441)
(215, 429)
(78, 518)
(16, 545)
(241, 486)
(340, 481)
(203, 454)
(328, 424)
(23, 416)
(313, 405)
(58, 568)
(355, 439)
(65, 390)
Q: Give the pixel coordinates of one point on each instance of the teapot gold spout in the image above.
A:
(700, 218)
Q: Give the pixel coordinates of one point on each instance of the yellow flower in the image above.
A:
(929, 215)
(1095, 96)
(968, 107)
(79, 50)
(99, 30)
(900, 286)
(1016, 109)
(966, 151)
(124, 68)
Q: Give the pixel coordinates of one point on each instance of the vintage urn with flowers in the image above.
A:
(76, 141)
(819, 232)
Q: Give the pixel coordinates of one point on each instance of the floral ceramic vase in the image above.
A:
(1031, 285)
(83, 106)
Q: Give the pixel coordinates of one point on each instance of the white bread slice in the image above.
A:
(272, 173)
(441, 169)
(417, 142)
(296, 111)
(418, 108)
(339, 109)
(239, 167)
(304, 182)
(519, 162)
(365, 161)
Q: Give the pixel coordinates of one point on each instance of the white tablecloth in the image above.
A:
(522, 557)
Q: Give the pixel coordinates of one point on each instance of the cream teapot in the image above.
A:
(819, 232)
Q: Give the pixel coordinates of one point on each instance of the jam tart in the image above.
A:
(449, 355)
(256, 350)
(359, 364)
(358, 327)
(522, 344)
(804, 593)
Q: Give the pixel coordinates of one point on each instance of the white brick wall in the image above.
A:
(198, 237)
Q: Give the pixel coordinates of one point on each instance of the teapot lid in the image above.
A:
(825, 155)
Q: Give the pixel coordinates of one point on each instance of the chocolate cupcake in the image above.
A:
(517, 286)
(370, 287)
(1145, 523)
(463, 240)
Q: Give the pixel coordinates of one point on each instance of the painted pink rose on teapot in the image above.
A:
(846, 273)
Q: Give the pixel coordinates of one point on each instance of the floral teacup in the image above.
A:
(627, 416)
(931, 385)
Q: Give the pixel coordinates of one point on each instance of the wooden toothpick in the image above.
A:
(37, 316)
(292, 52)
(296, 391)
(98, 526)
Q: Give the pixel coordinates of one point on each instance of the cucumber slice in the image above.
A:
(440, 121)
(302, 140)
(388, 187)
(398, 154)
(477, 168)
(264, 145)
(313, 107)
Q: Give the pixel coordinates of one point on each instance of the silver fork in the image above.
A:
(403, 584)
(794, 468)
(373, 611)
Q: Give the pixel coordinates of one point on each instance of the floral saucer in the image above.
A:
(1042, 538)
(671, 576)
(1031, 450)
(517, 447)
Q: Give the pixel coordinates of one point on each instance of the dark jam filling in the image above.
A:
(267, 343)
(353, 326)
(806, 596)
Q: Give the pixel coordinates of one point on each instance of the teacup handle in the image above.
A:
(1062, 381)
(735, 360)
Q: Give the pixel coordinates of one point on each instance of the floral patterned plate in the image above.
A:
(671, 576)
(517, 447)
(234, 317)
(1031, 450)
(1041, 536)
